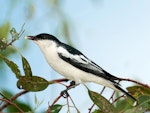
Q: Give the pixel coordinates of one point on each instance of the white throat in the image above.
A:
(49, 49)
(43, 44)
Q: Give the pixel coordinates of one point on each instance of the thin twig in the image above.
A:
(60, 80)
(11, 103)
(90, 109)
(12, 41)
(50, 107)
(130, 80)
(68, 111)
(118, 98)
(12, 99)
(21, 31)
(74, 104)
(19, 35)
(111, 98)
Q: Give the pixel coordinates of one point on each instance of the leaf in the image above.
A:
(4, 29)
(123, 104)
(26, 67)
(144, 105)
(35, 99)
(97, 111)
(12, 66)
(144, 98)
(139, 90)
(14, 33)
(37, 103)
(56, 108)
(104, 105)
(32, 83)
(3, 43)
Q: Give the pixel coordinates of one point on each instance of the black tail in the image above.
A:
(124, 92)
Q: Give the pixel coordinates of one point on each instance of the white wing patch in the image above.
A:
(91, 63)
(79, 58)
(63, 51)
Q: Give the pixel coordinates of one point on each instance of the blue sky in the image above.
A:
(114, 34)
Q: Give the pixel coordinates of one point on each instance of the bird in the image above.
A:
(73, 64)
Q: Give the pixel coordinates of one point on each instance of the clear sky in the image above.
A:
(113, 33)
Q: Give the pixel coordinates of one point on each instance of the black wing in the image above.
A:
(77, 59)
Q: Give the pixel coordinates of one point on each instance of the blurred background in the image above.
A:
(114, 34)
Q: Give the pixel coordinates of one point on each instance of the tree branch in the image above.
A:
(12, 99)
(50, 107)
(7, 101)
(130, 80)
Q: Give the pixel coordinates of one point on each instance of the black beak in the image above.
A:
(30, 37)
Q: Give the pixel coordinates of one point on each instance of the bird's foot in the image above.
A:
(64, 93)
(72, 85)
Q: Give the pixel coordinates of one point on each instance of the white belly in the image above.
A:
(75, 74)
(71, 72)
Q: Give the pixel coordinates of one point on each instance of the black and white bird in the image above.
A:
(73, 64)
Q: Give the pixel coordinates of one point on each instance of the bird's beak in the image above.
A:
(30, 37)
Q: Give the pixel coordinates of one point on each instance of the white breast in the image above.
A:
(49, 49)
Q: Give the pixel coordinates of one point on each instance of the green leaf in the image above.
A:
(14, 33)
(3, 43)
(35, 99)
(104, 105)
(37, 103)
(56, 108)
(144, 105)
(4, 29)
(12, 66)
(26, 67)
(32, 83)
(139, 90)
(97, 111)
(123, 104)
(144, 98)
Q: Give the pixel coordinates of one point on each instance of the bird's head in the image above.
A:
(43, 39)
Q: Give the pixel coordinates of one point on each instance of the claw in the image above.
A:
(64, 93)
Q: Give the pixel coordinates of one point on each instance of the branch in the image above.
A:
(118, 98)
(15, 35)
(90, 109)
(111, 98)
(130, 80)
(62, 95)
(12, 99)
(74, 104)
(50, 107)
(7, 101)
(60, 80)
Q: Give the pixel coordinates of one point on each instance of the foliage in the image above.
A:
(123, 106)
(33, 83)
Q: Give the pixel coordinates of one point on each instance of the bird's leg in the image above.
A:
(64, 93)
(72, 83)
